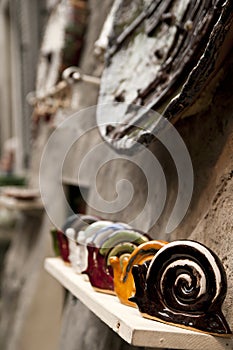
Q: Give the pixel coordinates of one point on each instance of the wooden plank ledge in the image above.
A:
(23, 205)
(126, 321)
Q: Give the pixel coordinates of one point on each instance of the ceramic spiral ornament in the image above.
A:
(184, 285)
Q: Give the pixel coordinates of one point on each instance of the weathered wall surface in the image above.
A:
(83, 330)
(23, 281)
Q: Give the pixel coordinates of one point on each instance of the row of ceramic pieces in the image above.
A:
(182, 283)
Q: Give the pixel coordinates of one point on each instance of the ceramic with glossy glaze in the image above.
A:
(72, 227)
(124, 286)
(185, 285)
(100, 273)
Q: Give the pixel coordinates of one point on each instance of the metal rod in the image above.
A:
(73, 74)
(70, 76)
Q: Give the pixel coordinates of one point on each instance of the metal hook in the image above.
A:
(74, 74)
(70, 76)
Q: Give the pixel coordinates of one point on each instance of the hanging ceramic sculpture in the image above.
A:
(165, 56)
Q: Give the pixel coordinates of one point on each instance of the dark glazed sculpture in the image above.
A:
(167, 56)
(185, 285)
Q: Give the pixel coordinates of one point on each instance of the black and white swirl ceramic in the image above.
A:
(185, 284)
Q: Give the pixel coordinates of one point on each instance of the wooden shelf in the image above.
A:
(127, 321)
(24, 205)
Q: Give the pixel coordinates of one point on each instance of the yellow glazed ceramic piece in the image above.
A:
(122, 268)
